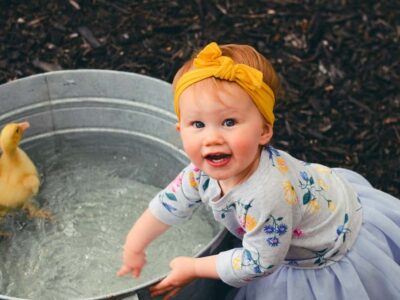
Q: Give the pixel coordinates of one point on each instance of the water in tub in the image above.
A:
(78, 254)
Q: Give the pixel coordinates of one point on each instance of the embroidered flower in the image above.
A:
(249, 223)
(273, 241)
(289, 193)
(276, 228)
(323, 184)
(240, 231)
(192, 180)
(276, 159)
(176, 183)
(315, 191)
(321, 169)
(272, 153)
(314, 205)
(281, 165)
(195, 169)
(292, 262)
(257, 269)
(236, 263)
(227, 209)
(342, 230)
(298, 233)
(331, 205)
(247, 256)
(320, 258)
(281, 229)
(251, 260)
(339, 229)
(269, 229)
(304, 175)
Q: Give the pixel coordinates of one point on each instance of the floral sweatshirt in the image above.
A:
(288, 212)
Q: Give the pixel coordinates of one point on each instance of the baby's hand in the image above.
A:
(182, 272)
(133, 263)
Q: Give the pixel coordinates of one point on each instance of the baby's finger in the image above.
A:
(136, 272)
(171, 294)
(158, 292)
(123, 271)
(160, 288)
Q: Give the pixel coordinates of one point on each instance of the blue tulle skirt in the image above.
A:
(371, 270)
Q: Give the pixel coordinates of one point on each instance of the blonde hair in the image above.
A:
(241, 54)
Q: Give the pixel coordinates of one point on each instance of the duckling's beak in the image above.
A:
(24, 126)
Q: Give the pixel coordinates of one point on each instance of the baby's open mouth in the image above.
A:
(217, 157)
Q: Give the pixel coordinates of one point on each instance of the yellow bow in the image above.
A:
(211, 63)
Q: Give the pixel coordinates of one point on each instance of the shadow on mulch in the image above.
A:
(338, 62)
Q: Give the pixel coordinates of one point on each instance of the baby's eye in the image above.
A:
(229, 122)
(198, 124)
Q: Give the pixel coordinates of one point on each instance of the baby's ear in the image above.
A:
(267, 134)
(178, 127)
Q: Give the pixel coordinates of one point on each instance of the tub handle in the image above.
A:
(136, 295)
(143, 294)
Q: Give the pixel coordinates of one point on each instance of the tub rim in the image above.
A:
(129, 292)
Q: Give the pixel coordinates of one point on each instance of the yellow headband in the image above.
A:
(210, 63)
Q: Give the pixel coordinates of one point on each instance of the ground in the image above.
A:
(338, 61)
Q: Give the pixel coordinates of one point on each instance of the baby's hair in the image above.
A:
(242, 54)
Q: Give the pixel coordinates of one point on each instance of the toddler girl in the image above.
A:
(307, 231)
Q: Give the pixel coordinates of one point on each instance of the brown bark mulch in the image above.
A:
(338, 61)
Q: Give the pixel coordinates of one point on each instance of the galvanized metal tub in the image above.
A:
(87, 106)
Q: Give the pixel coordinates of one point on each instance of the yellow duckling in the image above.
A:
(19, 179)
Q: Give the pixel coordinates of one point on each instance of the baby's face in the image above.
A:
(222, 129)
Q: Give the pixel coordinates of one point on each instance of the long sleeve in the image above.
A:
(288, 212)
(267, 227)
(179, 199)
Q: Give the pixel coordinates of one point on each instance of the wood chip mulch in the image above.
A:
(339, 61)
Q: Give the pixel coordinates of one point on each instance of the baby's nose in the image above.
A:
(213, 137)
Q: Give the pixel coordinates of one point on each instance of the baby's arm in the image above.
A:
(174, 205)
(268, 227)
(144, 231)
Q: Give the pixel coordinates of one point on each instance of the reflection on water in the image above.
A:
(78, 254)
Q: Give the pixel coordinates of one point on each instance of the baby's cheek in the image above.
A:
(246, 146)
(193, 152)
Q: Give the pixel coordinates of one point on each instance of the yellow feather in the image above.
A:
(19, 179)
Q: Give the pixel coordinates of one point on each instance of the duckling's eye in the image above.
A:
(198, 124)
(17, 130)
(229, 122)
